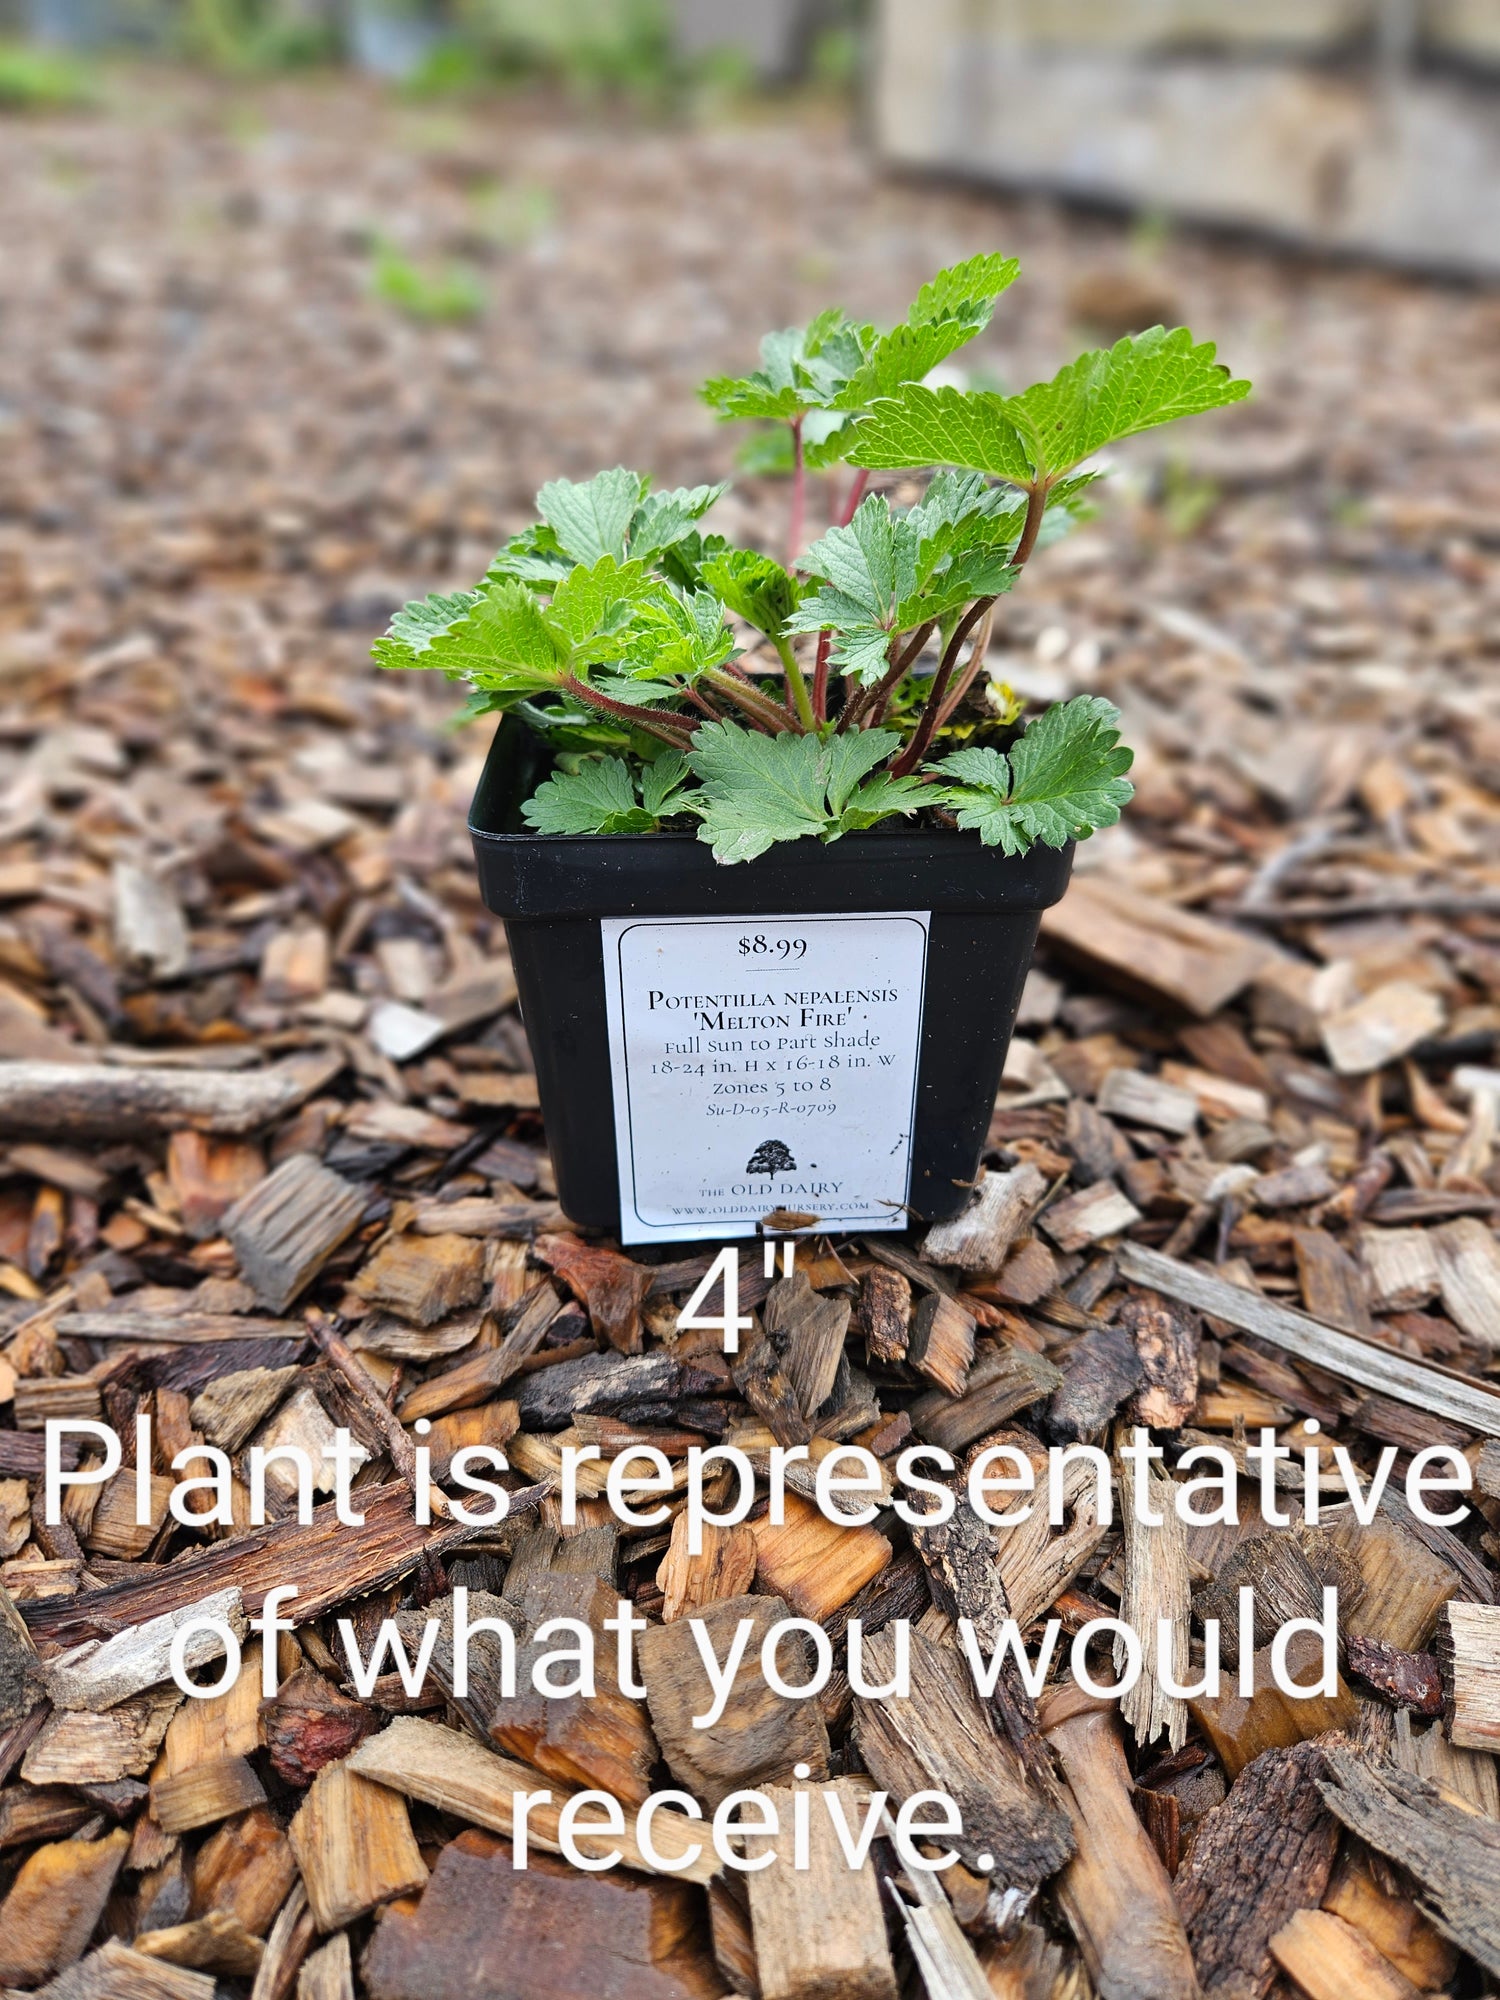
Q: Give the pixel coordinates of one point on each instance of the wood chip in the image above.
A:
(759, 1737)
(1115, 1892)
(981, 1235)
(820, 1928)
(54, 1903)
(1354, 1360)
(286, 1229)
(1089, 1216)
(1154, 947)
(1382, 1027)
(354, 1846)
(423, 1760)
(85, 1101)
(1469, 1649)
(550, 1933)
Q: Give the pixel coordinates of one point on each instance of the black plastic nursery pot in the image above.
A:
(821, 1030)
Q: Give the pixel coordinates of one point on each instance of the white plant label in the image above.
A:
(762, 1063)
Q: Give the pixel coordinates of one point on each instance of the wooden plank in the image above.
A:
(1444, 1392)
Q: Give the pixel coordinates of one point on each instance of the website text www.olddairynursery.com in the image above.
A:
(719, 1486)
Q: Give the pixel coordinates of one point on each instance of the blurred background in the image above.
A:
(301, 300)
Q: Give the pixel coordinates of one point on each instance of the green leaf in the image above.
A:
(502, 643)
(847, 759)
(801, 369)
(888, 573)
(758, 790)
(920, 426)
(669, 637)
(534, 555)
(1062, 781)
(664, 519)
(594, 600)
(754, 587)
(947, 313)
(596, 798)
(1112, 393)
(417, 624)
(880, 796)
(592, 519)
(661, 782)
(965, 291)
(859, 561)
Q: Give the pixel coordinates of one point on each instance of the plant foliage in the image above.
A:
(683, 682)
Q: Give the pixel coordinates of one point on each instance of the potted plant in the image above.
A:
(771, 855)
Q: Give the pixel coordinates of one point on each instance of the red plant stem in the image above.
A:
(964, 681)
(938, 706)
(855, 494)
(761, 709)
(799, 497)
(1031, 527)
(871, 701)
(702, 702)
(670, 729)
(926, 729)
(820, 677)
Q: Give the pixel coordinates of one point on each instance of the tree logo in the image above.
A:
(771, 1157)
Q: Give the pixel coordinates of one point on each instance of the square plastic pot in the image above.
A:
(553, 890)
